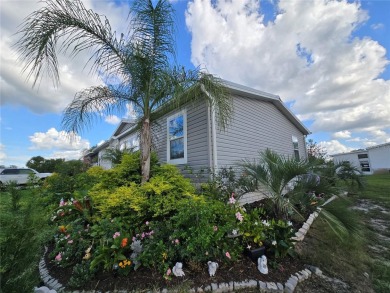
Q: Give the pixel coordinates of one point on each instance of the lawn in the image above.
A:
(361, 260)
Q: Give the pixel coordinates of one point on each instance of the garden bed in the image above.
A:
(143, 278)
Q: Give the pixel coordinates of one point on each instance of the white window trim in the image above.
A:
(295, 139)
(181, 160)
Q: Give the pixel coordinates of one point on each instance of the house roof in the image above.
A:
(359, 151)
(363, 150)
(123, 124)
(127, 126)
(379, 146)
(241, 90)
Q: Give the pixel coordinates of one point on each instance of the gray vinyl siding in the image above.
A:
(197, 137)
(256, 125)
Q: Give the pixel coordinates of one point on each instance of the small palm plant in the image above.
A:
(273, 175)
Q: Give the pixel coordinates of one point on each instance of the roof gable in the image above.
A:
(264, 96)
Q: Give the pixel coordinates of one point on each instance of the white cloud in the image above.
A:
(67, 155)
(60, 140)
(3, 156)
(376, 26)
(112, 119)
(342, 134)
(334, 147)
(332, 77)
(74, 77)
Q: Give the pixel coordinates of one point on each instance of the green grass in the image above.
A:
(24, 229)
(378, 189)
(349, 258)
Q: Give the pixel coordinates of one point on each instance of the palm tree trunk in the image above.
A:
(145, 145)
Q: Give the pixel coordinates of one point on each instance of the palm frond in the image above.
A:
(91, 105)
(154, 32)
(69, 26)
(181, 87)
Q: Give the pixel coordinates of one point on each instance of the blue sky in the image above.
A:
(328, 60)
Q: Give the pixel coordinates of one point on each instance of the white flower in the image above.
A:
(256, 223)
(289, 223)
(249, 247)
(266, 223)
(274, 242)
(234, 232)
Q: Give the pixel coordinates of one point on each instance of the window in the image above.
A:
(362, 156)
(26, 171)
(365, 166)
(296, 147)
(177, 138)
(10, 172)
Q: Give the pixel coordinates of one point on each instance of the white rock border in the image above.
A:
(301, 233)
(288, 287)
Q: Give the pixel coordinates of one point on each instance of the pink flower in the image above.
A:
(169, 271)
(215, 228)
(62, 203)
(177, 241)
(58, 257)
(70, 241)
(67, 236)
(239, 216)
(228, 255)
(133, 239)
(232, 200)
(116, 234)
(147, 223)
(143, 235)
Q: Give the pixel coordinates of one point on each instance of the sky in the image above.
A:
(329, 61)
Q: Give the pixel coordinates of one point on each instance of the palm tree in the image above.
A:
(140, 60)
(273, 174)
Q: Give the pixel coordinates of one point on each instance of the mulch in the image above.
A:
(145, 278)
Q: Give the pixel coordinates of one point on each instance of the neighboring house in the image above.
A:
(375, 159)
(191, 137)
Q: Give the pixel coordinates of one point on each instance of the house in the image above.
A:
(375, 159)
(191, 137)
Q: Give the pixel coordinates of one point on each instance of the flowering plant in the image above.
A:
(279, 236)
(253, 229)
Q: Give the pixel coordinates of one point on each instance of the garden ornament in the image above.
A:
(43, 290)
(178, 270)
(262, 265)
(212, 268)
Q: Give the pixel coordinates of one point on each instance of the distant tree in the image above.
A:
(43, 165)
(13, 166)
(72, 167)
(315, 151)
(36, 163)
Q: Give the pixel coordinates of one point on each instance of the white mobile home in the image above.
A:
(371, 160)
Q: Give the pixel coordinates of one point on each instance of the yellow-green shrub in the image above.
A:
(165, 190)
(121, 201)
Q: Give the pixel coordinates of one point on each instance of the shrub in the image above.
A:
(196, 233)
(112, 243)
(164, 190)
(202, 227)
(279, 242)
(121, 201)
(22, 234)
